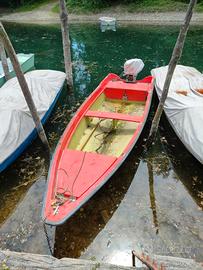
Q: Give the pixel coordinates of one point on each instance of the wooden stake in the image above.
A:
(177, 52)
(21, 79)
(4, 61)
(66, 44)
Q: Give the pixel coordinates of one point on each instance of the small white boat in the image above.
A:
(107, 20)
(17, 127)
(26, 62)
(184, 105)
(107, 23)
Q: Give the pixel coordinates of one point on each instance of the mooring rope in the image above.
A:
(47, 237)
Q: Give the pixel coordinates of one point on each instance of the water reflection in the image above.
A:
(187, 169)
(15, 181)
(78, 232)
(81, 73)
(156, 216)
(152, 194)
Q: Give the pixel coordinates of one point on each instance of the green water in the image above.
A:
(95, 54)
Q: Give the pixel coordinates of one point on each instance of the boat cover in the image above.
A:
(184, 105)
(15, 119)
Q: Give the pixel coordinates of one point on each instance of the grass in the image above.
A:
(199, 7)
(34, 5)
(157, 5)
(145, 6)
(72, 8)
(161, 6)
(55, 9)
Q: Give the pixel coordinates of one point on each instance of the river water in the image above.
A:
(168, 213)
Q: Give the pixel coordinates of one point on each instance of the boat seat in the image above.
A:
(114, 116)
(122, 85)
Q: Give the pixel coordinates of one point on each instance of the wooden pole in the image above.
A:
(21, 79)
(4, 61)
(177, 52)
(66, 44)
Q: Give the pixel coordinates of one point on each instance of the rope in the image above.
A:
(67, 189)
(106, 134)
(59, 197)
(79, 170)
(47, 237)
(60, 203)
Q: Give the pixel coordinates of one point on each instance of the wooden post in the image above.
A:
(177, 52)
(66, 44)
(21, 79)
(4, 61)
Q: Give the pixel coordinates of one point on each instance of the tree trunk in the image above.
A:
(66, 44)
(21, 79)
(4, 61)
(177, 52)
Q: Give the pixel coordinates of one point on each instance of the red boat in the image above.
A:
(95, 143)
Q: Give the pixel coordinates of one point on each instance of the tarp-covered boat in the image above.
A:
(17, 126)
(26, 62)
(184, 105)
(95, 143)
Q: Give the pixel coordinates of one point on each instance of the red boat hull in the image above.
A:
(75, 175)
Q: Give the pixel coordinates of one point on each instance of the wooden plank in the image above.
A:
(18, 261)
(114, 116)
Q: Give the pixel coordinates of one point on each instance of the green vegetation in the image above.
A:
(84, 6)
(32, 5)
(24, 5)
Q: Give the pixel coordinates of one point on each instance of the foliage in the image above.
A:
(22, 3)
(130, 5)
(97, 5)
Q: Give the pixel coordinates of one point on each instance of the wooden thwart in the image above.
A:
(114, 116)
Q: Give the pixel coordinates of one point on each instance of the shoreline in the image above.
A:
(45, 16)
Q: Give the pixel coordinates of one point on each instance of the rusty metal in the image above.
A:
(145, 259)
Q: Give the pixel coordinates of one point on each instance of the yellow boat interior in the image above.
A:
(108, 126)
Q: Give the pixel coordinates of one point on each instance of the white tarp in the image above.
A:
(15, 120)
(184, 112)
